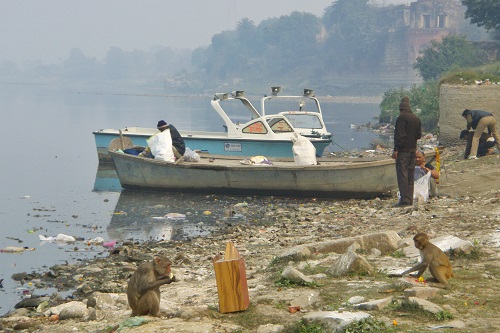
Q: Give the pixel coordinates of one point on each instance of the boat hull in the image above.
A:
(213, 143)
(344, 179)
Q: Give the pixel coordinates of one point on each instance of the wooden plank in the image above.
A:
(231, 252)
(231, 281)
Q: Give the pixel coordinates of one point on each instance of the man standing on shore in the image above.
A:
(407, 131)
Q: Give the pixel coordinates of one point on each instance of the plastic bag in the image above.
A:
(304, 152)
(161, 146)
(421, 187)
(191, 156)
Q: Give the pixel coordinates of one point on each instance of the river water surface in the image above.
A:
(51, 182)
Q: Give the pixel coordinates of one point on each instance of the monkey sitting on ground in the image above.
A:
(431, 256)
(143, 290)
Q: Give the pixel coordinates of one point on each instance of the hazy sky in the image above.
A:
(47, 29)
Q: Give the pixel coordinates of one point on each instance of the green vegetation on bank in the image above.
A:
(482, 73)
(364, 325)
(452, 53)
(424, 102)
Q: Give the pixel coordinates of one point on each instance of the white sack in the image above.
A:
(161, 146)
(304, 152)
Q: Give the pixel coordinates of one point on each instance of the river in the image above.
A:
(51, 182)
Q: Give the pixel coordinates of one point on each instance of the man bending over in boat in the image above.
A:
(178, 145)
(167, 148)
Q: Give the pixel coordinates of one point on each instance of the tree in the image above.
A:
(116, 64)
(355, 35)
(483, 13)
(276, 46)
(292, 35)
(223, 54)
(246, 29)
(79, 67)
(452, 52)
(247, 42)
(424, 102)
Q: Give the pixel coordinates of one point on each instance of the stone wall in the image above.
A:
(454, 99)
(431, 14)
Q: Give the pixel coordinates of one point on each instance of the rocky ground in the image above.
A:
(468, 207)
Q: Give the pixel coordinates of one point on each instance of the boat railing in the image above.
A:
(307, 94)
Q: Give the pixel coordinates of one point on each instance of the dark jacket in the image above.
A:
(473, 117)
(407, 131)
(177, 140)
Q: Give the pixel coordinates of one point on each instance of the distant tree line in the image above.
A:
(349, 38)
(118, 66)
(300, 49)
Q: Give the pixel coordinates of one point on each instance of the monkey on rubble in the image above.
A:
(143, 290)
(431, 256)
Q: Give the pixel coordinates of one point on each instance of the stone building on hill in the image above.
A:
(432, 20)
(418, 24)
(413, 27)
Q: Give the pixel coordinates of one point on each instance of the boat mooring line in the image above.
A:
(339, 145)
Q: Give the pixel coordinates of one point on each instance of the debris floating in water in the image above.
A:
(60, 238)
(109, 244)
(16, 249)
(170, 216)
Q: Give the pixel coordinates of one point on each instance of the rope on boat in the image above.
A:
(339, 146)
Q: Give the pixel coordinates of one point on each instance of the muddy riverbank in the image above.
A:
(468, 208)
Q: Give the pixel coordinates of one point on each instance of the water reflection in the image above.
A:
(106, 179)
(141, 215)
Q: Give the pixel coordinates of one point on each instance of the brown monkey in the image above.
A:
(431, 256)
(143, 290)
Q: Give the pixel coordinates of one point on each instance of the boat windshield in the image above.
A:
(279, 125)
(302, 120)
